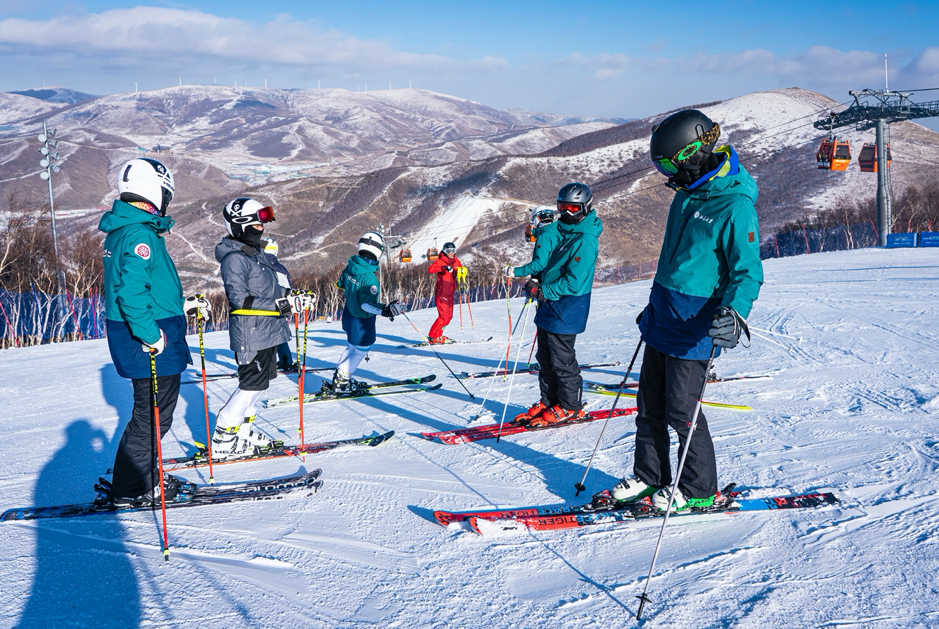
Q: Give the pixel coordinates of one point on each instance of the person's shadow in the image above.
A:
(76, 585)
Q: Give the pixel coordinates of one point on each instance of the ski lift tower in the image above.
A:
(877, 109)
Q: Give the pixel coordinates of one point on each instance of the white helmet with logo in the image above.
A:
(372, 245)
(243, 212)
(541, 214)
(148, 180)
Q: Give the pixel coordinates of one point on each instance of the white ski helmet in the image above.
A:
(243, 212)
(541, 214)
(372, 245)
(148, 180)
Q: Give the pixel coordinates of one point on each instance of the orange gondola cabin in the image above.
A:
(432, 254)
(834, 154)
(868, 158)
(405, 255)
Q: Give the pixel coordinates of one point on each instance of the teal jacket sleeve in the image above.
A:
(576, 272)
(539, 258)
(133, 293)
(740, 241)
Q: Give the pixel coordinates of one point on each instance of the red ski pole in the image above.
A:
(532, 352)
(200, 321)
(159, 436)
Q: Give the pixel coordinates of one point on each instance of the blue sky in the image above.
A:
(618, 59)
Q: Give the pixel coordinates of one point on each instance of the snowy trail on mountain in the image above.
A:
(852, 409)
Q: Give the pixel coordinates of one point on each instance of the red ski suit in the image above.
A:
(443, 294)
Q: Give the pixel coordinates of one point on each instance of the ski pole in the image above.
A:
(460, 298)
(301, 380)
(200, 322)
(794, 338)
(429, 344)
(492, 381)
(580, 486)
(532, 352)
(159, 436)
(508, 305)
(468, 306)
(644, 598)
(296, 332)
(518, 352)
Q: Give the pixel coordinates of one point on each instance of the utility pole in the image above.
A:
(877, 109)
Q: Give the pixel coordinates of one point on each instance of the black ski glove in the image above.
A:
(533, 289)
(393, 309)
(726, 327)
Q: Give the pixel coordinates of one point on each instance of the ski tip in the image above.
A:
(444, 518)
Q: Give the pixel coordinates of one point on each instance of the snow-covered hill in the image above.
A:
(259, 135)
(852, 408)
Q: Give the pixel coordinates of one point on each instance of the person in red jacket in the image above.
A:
(445, 267)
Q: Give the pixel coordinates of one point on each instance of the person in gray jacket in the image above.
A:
(260, 302)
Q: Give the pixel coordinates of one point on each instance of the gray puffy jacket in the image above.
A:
(251, 283)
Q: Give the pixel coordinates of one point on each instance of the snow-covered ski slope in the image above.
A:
(852, 409)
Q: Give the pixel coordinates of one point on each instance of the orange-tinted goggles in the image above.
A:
(266, 214)
(570, 208)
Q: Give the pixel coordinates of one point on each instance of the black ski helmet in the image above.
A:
(683, 141)
(449, 248)
(575, 202)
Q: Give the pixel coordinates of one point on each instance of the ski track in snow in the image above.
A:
(851, 408)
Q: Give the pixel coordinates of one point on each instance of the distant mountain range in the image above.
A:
(56, 94)
(426, 166)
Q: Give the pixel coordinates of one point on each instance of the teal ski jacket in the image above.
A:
(142, 292)
(359, 280)
(546, 239)
(710, 257)
(567, 278)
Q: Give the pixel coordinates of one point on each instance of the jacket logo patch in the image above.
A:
(702, 217)
(374, 290)
(750, 236)
(143, 251)
(577, 259)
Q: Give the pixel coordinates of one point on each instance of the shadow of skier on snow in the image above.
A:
(75, 583)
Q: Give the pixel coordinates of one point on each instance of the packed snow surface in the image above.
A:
(852, 408)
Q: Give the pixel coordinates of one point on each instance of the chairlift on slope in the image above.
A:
(868, 157)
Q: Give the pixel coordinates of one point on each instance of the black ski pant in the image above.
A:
(668, 393)
(136, 469)
(559, 375)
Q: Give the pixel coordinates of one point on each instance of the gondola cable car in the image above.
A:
(868, 157)
(405, 255)
(833, 154)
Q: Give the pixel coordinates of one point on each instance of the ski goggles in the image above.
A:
(265, 214)
(449, 250)
(570, 208)
(669, 166)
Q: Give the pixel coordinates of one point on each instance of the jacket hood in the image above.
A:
(728, 178)
(360, 265)
(123, 214)
(591, 225)
(225, 247)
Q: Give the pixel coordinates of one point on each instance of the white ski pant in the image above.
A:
(241, 404)
(351, 357)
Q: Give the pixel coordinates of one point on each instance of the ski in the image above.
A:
(491, 431)
(320, 397)
(574, 516)
(601, 389)
(533, 368)
(200, 458)
(212, 377)
(270, 489)
(712, 379)
(450, 342)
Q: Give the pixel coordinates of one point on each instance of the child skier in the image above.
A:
(259, 322)
(563, 305)
(543, 231)
(445, 267)
(144, 310)
(359, 280)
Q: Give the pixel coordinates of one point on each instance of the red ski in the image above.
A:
(491, 431)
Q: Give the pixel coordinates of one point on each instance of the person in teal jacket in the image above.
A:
(708, 277)
(359, 281)
(144, 310)
(563, 294)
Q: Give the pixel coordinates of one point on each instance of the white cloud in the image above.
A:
(148, 31)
